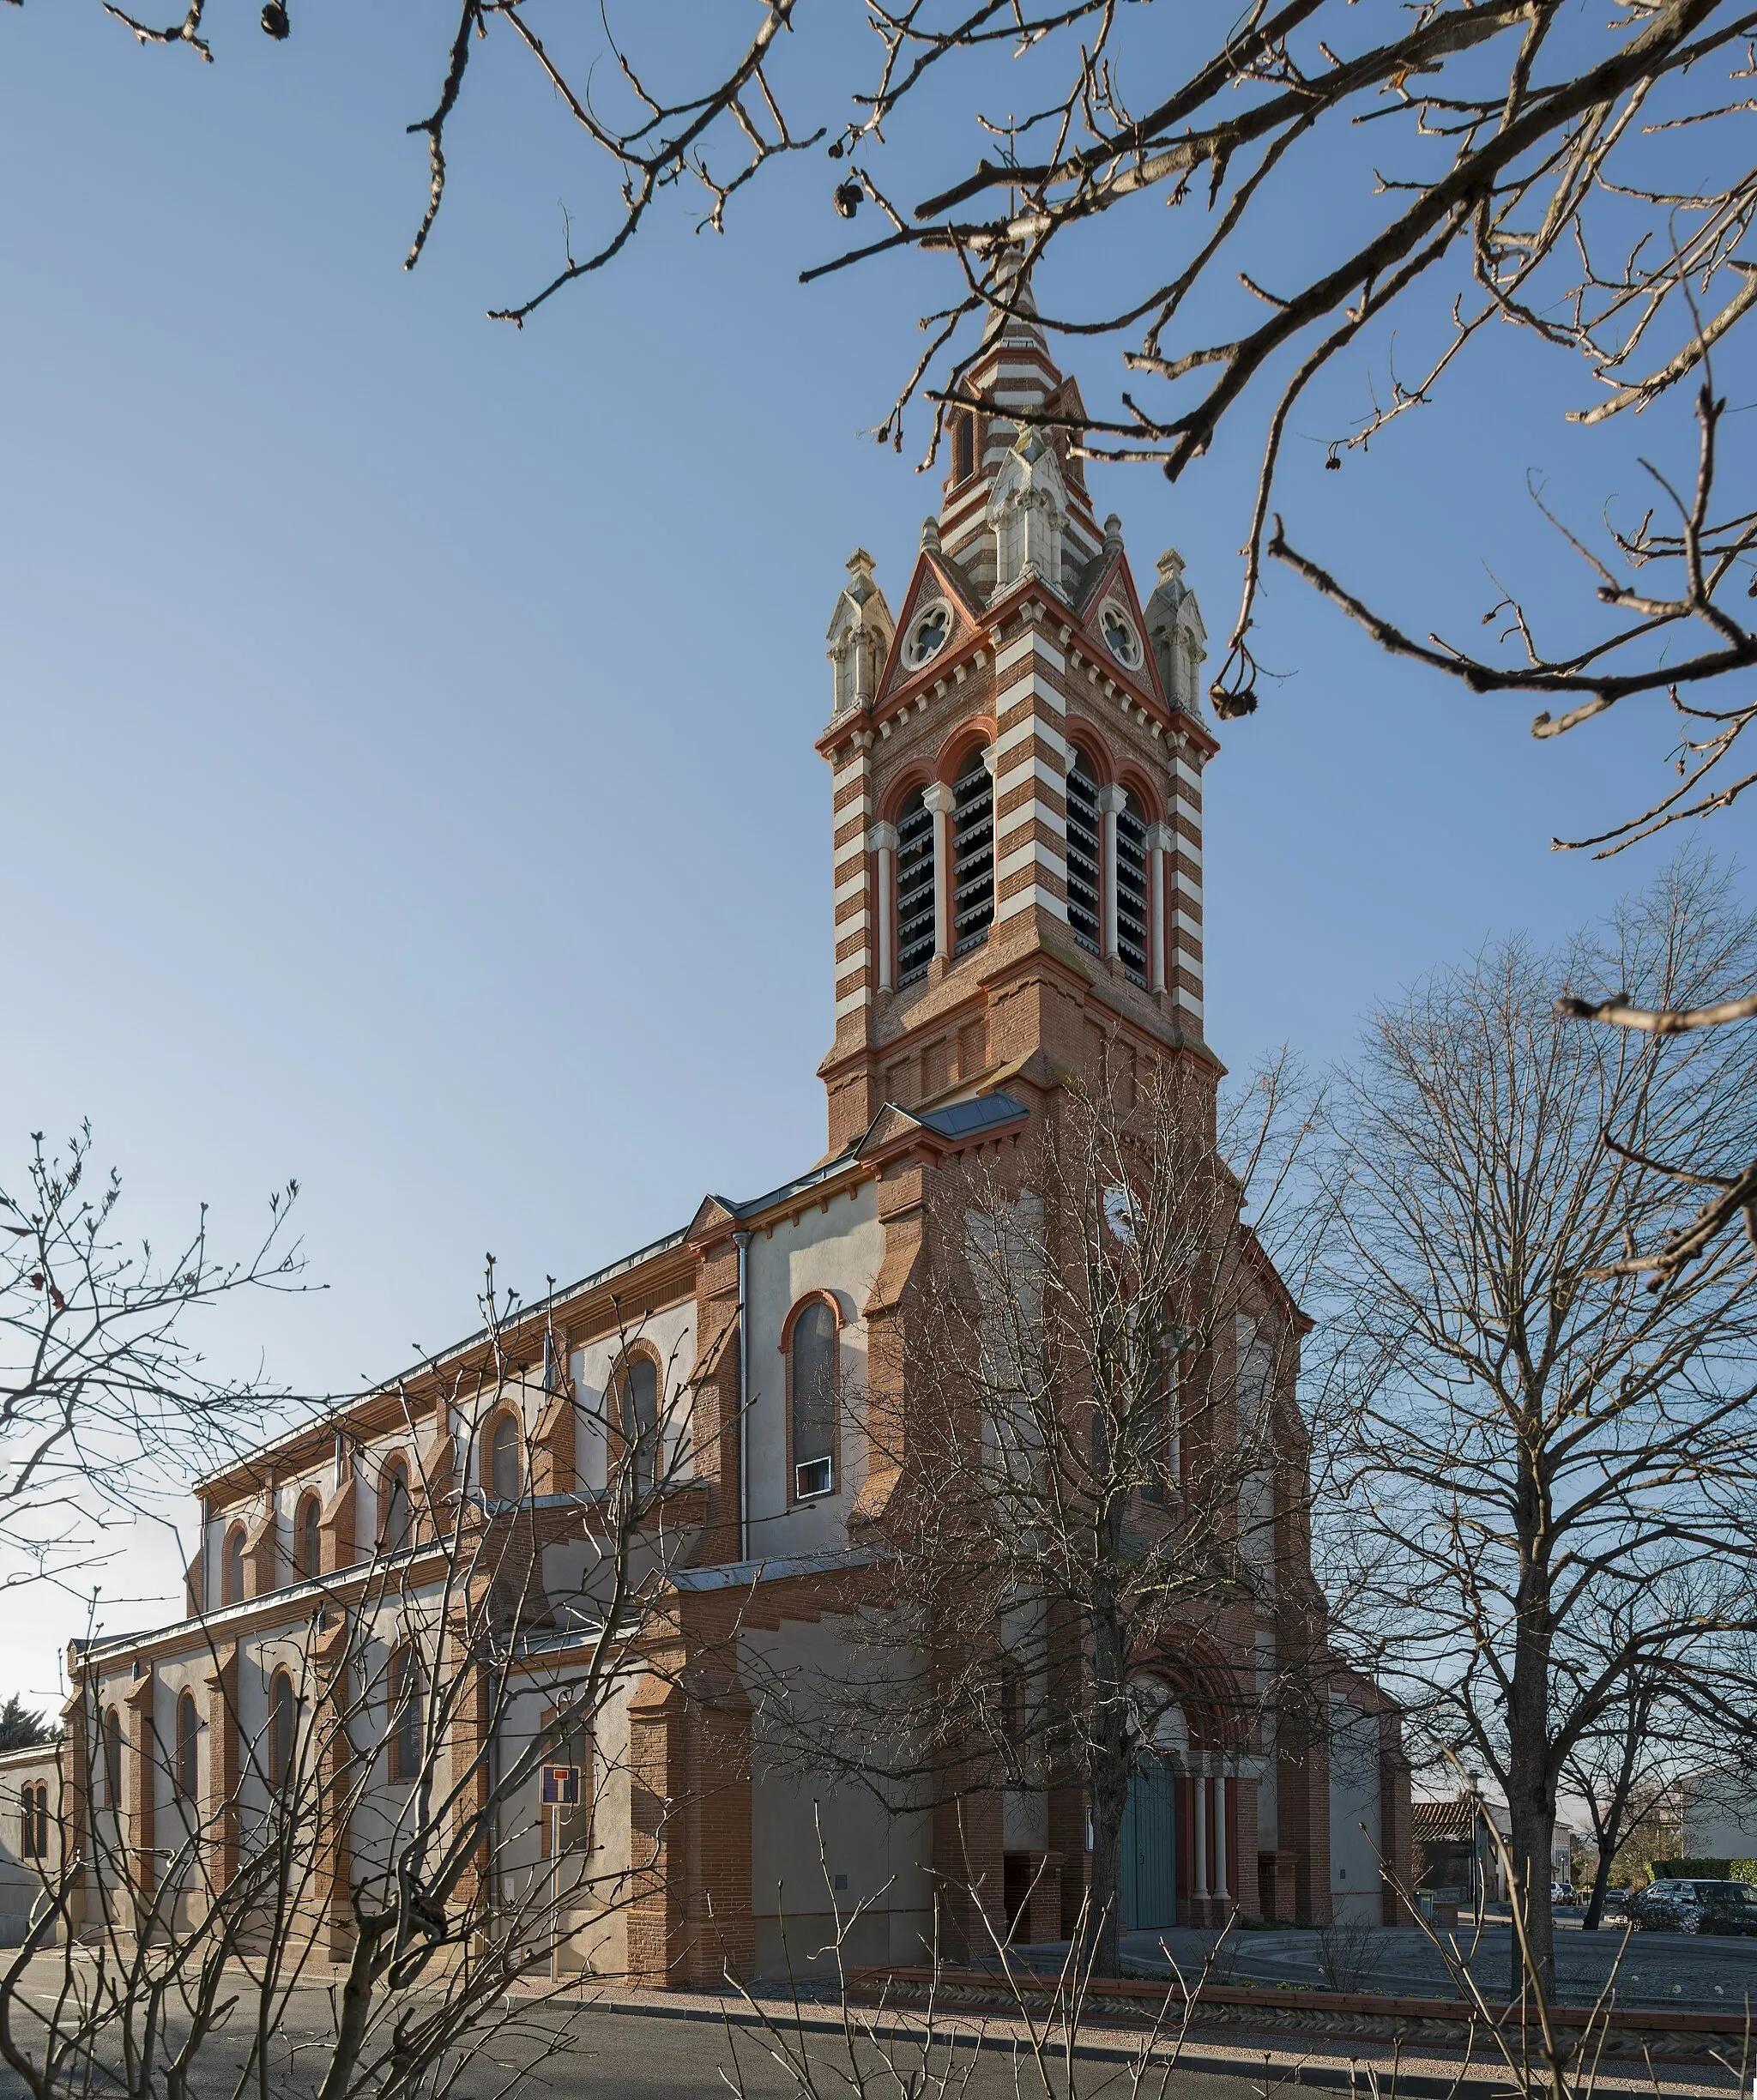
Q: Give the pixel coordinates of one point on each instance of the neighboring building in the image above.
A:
(1718, 1812)
(1017, 762)
(1456, 1858)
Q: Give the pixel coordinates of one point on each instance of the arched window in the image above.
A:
(283, 1720)
(308, 1538)
(407, 1693)
(963, 447)
(915, 889)
(972, 854)
(112, 1758)
(186, 1775)
(640, 1421)
(41, 1832)
(394, 1509)
(234, 1565)
(1086, 894)
(502, 1459)
(1132, 910)
(27, 1823)
(812, 1383)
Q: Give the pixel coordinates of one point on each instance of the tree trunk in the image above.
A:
(1531, 1781)
(1109, 1760)
(1594, 1914)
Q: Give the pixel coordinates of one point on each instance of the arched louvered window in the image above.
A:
(1085, 893)
(283, 1715)
(502, 1459)
(234, 1573)
(963, 447)
(188, 1749)
(112, 1758)
(1132, 917)
(308, 1537)
(394, 1507)
(33, 1822)
(407, 1694)
(915, 889)
(814, 1346)
(972, 855)
(640, 1421)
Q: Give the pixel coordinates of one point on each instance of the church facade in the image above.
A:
(1016, 755)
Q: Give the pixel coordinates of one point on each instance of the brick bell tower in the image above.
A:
(1017, 768)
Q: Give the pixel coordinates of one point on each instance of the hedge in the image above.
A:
(1702, 1870)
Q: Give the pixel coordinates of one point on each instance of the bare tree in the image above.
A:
(103, 1393)
(358, 1785)
(1103, 1492)
(1548, 1468)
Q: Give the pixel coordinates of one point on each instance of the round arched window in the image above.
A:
(283, 1715)
(396, 1514)
(308, 1535)
(188, 1748)
(502, 1460)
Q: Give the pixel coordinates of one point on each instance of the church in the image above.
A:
(423, 1613)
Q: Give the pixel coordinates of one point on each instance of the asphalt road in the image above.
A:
(615, 2055)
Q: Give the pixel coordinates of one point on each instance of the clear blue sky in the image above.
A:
(408, 778)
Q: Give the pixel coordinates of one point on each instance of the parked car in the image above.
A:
(1616, 1903)
(1561, 1895)
(1696, 1907)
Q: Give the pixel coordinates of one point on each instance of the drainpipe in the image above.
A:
(741, 1240)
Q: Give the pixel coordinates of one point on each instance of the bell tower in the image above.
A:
(1016, 764)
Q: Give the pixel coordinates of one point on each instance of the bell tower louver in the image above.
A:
(1017, 762)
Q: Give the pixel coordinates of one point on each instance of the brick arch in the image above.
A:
(918, 773)
(1207, 1690)
(1146, 791)
(1097, 746)
(975, 733)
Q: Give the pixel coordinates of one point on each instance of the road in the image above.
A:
(618, 2055)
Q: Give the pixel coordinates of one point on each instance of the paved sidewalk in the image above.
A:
(1669, 1969)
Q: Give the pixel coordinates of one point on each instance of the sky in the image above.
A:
(408, 780)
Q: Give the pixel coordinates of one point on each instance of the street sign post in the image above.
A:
(561, 1790)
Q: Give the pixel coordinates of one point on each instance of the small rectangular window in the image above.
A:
(816, 1476)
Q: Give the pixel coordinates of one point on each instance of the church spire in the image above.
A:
(1015, 502)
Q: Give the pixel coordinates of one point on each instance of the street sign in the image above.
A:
(561, 1786)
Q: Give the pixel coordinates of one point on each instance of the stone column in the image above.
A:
(882, 842)
(1110, 801)
(1158, 845)
(1220, 1861)
(939, 800)
(1200, 1888)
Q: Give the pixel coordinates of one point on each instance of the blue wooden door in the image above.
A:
(1149, 1859)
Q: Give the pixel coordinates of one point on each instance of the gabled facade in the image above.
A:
(1017, 760)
